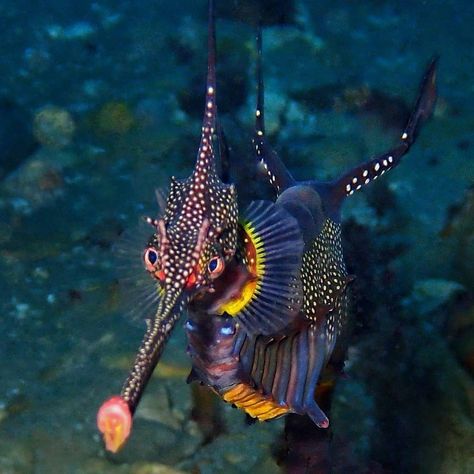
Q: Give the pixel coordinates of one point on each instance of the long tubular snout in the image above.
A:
(151, 348)
(114, 418)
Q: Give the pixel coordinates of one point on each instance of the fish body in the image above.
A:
(270, 371)
(271, 365)
(266, 291)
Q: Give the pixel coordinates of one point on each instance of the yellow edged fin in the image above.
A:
(255, 257)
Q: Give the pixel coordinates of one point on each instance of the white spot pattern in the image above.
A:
(372, 172)
(324, 278)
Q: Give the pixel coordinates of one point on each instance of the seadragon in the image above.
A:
(266, 290)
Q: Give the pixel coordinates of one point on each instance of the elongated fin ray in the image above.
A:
(138, 293)
(357, 177)
(205, 169)
(274, 240)
(268, 160)
(210, 110)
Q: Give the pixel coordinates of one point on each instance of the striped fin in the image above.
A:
(254, 403)
(273, 253)
(286, 370)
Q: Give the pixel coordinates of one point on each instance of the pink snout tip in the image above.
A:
(114, 421)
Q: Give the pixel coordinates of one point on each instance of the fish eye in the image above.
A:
(150, 258)
(215, 266)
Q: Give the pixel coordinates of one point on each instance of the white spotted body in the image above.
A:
(192, 242)
(324, 277)
(316, 207)
(267, 297)
(273, 373)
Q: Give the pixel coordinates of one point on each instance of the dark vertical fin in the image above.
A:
(206, 162)
(223, 154)
(316, 357)
(282, 373)
(258, 361)
(271, 165)
(210, 111)
(299, 365)
(270, 367)
(361, 175)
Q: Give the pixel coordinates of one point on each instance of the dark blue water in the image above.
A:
(101, 103)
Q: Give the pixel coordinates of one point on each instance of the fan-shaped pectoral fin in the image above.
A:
(271, 296)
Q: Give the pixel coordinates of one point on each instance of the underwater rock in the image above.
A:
(461, 332)
(158, 409)
(15, 136)
(3, 411)
(37, 59)
(53, 126)
(231, 454)
(352, 441)
(15, 457)
(459, 230)
(114, 118)
(104, 233)
(39, 180)
(463, 347)
(153, 468)
(164, 370)
(80, 30)
(448, 450)
(104, 466)
(390, 111)
(430, 294)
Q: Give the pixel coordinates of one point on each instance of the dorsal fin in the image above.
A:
(206, 161)
(271, 165)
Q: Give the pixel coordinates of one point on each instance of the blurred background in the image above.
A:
(101, 103)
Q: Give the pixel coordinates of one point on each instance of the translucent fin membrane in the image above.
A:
(276, 241)
(138, 291)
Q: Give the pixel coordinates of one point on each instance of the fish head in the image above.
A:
(196, 237)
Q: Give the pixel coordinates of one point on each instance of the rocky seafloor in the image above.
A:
(101, 103)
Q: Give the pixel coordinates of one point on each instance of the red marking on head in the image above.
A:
(160, 274)
(191, 280)
(114, 421)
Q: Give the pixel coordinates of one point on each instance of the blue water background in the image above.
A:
(340, 80)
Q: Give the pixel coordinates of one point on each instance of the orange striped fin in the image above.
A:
(254, 403)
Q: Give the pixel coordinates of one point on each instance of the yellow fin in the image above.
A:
(254, 403)
(255, 255)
